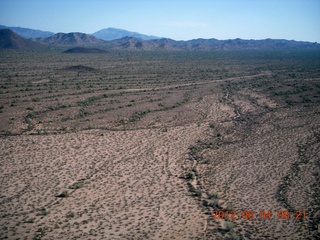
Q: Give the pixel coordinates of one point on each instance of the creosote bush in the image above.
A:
(64, 194)
(76, 185)
(190, 175)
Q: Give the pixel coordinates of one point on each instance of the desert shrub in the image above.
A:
(213, 196)
(194, 149)
(190, 175)
(123, 120)
(83, 112)
(198, 193)
(233, 236)
(191, 187)
(306, 99)
(195, 191)
(289, 101)
(30, 127)
(90, 100)
(229, 225)
(7, 132)
(70, 215)
(76, 185)
(64, 194)
(44, 212)
(30, 220)
(137, 115)
(211, 203)
(31, 115)
(229, 206)
(39, 234)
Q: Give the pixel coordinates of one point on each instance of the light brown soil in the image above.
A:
(166, 155)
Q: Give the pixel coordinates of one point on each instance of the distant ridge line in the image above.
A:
(130, 43)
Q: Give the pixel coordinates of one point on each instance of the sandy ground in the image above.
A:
(131, 183)
(162, 176)
(131, 186)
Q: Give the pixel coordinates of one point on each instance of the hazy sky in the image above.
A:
(176, 19)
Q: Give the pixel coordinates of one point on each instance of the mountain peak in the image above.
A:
(116, 33)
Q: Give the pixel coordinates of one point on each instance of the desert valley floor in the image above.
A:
(160, 145)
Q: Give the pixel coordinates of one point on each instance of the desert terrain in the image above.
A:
(155, 145)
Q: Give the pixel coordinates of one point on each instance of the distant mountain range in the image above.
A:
(115, 33)
(104, 34)
(130, 43)
(28, 32)
(11, 40)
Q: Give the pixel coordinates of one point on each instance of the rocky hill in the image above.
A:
(71, 39)
(11, 40)
(84, 50)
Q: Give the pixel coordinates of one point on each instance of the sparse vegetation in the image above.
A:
(76, 185)
(64, 194)
(30, 220)
(190, 175)
(149, 137)
(70, 215)
(228, 225)
(229, 206)
(44, 212)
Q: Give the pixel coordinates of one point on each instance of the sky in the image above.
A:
(180, 20)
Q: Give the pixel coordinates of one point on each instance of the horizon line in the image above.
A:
(237, 38)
